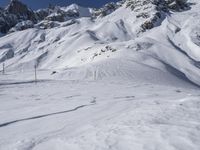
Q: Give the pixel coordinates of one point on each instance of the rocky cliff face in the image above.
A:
(14, 13)
(106, 9)
(153, 11)
(20, 10)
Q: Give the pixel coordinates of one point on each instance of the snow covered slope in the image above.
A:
(77, 115)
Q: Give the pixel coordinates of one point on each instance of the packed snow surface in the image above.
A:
(102, 115)
(103, 83)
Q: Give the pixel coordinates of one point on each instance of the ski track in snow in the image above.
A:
(42, 116)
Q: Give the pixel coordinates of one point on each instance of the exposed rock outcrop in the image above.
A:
(105, 10)
(20, 10)
(153, 11)
(22, 26)
(13, 14)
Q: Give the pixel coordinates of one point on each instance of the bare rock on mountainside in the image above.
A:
(14, 13)
(105, 10)
(20, 10)
(154, 10)
(177, 5)
(22, 26)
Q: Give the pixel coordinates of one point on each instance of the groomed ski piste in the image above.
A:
(103, 84)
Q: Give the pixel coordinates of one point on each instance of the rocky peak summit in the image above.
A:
(17, 7)
(21, 10)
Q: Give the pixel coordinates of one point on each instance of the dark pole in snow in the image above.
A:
(3, 68)
(35, 67)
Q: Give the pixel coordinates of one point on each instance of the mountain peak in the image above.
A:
(74, 5)
(16, 7)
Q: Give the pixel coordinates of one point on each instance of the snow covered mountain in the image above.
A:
(74, 41)
(20, 17)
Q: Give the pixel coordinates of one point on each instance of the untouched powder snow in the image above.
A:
(103, 83)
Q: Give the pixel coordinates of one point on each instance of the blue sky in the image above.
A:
(35, 4)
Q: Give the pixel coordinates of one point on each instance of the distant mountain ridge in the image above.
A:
(17, 12)
(19, 16)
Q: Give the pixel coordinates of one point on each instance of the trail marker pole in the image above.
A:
(3, 68)
(35, 67)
